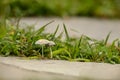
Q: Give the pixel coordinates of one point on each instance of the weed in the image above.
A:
(21, 42)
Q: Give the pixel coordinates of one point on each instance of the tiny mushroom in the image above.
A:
(51, 43)
(42, 42)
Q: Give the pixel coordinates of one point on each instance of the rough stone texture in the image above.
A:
(97, 71)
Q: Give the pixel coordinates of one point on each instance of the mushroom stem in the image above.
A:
(42, 52)
(51, 53)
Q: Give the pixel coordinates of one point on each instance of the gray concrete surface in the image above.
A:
(65, 69)
(15, 72)
(92, 27)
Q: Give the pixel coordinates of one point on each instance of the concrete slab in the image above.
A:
(94, 71)
(11, 72)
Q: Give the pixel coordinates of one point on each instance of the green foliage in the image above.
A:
(2, 28)
(21, 42)
(97, 8)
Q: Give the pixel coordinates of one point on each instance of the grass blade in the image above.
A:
(43, 28)
(106, 40)
(82, 60)
(79, 43)
(113, 43)
(55, 32)
(59, 51)
(60, 35)
(66, 32)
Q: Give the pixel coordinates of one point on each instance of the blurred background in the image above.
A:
(60, 8)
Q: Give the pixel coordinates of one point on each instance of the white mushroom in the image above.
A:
(42, 42)
(51, 43)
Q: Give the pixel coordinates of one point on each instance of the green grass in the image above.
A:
(16, 41)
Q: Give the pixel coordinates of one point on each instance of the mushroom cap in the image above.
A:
(51, 43)
(42, 42)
